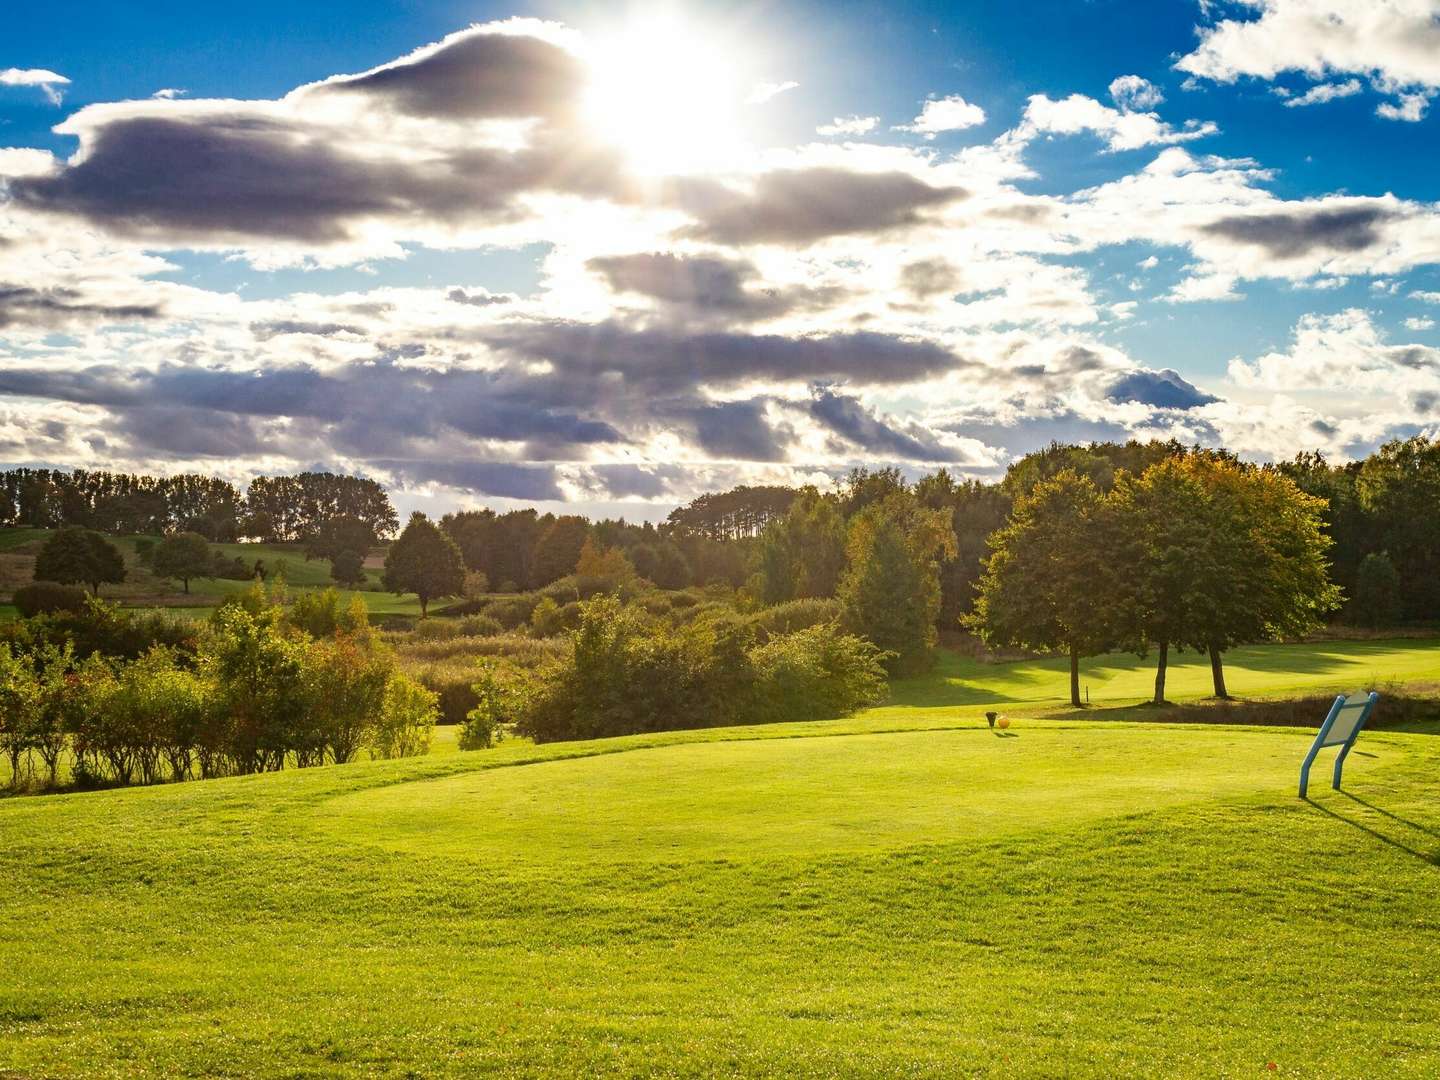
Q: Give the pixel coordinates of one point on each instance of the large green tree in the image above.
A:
(183, 556)
(1399, 489)
(1266, 572)
(1163, 544)
(426, 561)
(890, 592)
(557, 549)
(76, 556)
(1051, 581)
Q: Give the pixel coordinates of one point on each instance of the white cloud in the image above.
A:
(1321, 92)
(951, 113)
(1148, 263)
(764, 91)
(47, 81)
(1395, 43)
(169, 93)
(1426, 297)
(1134, 94)
(848, 125)
(1408, 107)
(1420, 323)
(1119, 130)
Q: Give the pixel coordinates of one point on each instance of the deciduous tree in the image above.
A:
(1051, 582)
(75, 556)
(425, 561)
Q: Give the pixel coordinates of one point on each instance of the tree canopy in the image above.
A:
(76, 556)
(425, 561)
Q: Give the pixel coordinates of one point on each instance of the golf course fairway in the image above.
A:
(883, 895)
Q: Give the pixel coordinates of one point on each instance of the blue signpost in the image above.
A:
(1341, 727)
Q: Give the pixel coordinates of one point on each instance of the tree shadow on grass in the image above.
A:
(1431, 859)
(1393, 816)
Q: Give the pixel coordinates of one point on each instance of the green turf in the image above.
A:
(1121, 678)
(903, 893)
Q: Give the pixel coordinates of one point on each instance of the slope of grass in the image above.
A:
(1123, 678)
(143, 589)
(900, 893)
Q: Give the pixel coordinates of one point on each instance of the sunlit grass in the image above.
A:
(904, 892)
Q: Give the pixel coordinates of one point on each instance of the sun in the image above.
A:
(669, 94)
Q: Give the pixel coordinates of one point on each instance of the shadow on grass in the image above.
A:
(1393, 816)
(1431, 859)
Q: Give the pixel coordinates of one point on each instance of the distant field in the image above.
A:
(143, 589)
(897, 894)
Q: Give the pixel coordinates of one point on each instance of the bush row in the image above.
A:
(626, 674)
(261, 691)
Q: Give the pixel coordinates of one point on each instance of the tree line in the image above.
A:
(273, 509)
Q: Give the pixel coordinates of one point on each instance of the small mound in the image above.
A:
(807, 796)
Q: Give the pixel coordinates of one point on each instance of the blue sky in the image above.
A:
(663, 270)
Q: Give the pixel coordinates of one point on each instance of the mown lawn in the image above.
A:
(903, 893)
(1123, 678)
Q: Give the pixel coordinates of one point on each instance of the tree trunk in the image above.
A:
(424, 601)
(1075, 676)
(186, 582)
(1217, 673)
(1160, 673)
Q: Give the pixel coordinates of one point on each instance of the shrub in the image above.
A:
(406, 721)
(817, 673)
(345, 681)
(323, 613)
(499, 697)
(514, 611)
(794, 615)
(545, 619)
(19, 707)
(436, 630)
(43, 597)
(480, 626)
(625, 676)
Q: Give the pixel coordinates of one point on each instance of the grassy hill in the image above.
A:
(143, 589)
(904, 892)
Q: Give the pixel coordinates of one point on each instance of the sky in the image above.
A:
(604, 257)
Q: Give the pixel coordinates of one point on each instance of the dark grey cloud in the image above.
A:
(706, 284)
(849, 419)
(638, 481)
(278, 327)
(1159, 389)
(478, 299)
(245, 175)
(738, 430)
(21, 305)
(473, 74)
(801, 206)
(930, 277)
(538, 483)
(362, 409)
(666, 360)
(1292, 233)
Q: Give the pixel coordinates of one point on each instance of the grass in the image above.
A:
(901, 893)
(1123, 678)
(142, 589)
